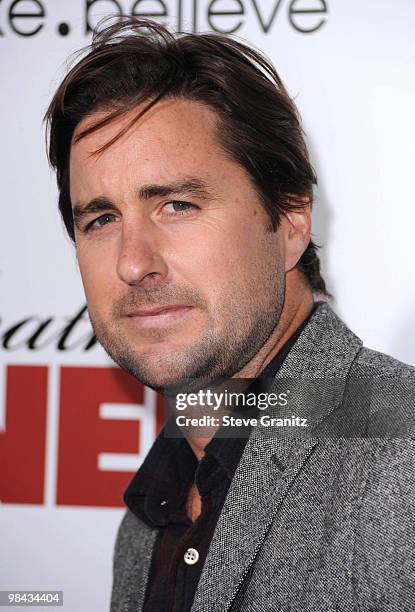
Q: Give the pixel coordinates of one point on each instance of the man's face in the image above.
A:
(182, 276)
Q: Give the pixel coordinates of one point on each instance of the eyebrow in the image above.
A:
(194, 187)
(96, 205)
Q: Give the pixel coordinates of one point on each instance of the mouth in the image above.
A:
(158, 316)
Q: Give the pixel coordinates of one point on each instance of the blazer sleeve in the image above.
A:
(384, 549)
(120, 556)
(131, 563)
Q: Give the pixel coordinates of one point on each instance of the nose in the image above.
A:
(140, 260)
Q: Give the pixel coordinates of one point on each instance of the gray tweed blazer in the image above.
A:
(317, 521)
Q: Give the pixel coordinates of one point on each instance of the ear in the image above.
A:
(296, 226)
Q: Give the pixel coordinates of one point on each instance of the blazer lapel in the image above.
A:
(323, 353)
(249, 509)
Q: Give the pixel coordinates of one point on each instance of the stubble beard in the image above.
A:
(215, 355)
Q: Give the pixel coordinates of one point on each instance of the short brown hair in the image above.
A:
(136, 60)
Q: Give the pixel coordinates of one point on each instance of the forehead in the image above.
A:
(173, 135)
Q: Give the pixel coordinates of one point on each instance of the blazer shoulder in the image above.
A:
(386, 390)
(373, 363)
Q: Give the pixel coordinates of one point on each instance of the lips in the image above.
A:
(159, 316)
(158, 310)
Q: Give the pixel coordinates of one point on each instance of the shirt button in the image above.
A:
(191, 556)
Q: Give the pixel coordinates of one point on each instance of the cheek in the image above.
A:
(223, 241)
(208, 257)
(97, 268)
(227, 265)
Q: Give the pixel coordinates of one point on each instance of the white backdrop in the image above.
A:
(353, 80)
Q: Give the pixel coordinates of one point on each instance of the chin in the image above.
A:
(154, 372)
(166, 380)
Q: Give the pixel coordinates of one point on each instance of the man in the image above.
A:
(185, 183)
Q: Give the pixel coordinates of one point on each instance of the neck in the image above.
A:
(298, 304)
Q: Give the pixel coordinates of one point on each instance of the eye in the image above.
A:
(177, 207)
(100, 222)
